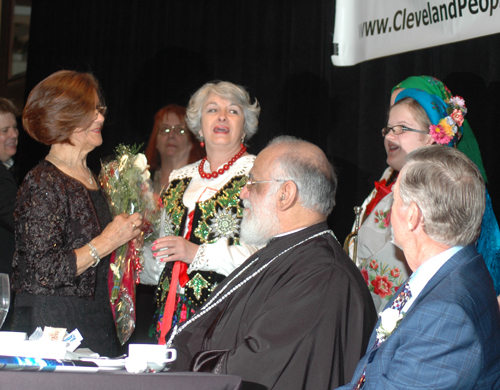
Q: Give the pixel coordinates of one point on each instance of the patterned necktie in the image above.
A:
(398, 304)
(403, 297)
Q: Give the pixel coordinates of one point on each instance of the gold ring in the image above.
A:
(133, 225)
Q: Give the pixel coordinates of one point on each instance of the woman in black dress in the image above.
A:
(64, 229)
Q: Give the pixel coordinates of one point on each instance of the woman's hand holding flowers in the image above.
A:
(121, 230)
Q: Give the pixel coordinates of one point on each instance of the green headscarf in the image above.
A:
(468, 144)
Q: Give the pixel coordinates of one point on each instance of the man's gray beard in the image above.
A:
(262, 224)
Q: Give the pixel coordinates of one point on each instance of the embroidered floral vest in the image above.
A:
(215, 218)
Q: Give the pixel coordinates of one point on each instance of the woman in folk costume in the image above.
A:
(489, 241)
(417, 119)
(203, 210)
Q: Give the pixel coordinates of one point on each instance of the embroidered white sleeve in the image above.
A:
(221, 257)
(199, 260)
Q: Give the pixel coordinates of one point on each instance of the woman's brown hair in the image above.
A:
(60, 104)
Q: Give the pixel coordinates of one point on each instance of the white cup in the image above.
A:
(152, 353)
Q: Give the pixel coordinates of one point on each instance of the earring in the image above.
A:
(242, 142)
(202, 142)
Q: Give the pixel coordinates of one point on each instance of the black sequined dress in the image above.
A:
(81, 302)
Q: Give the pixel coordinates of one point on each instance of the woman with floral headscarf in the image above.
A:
(468, 144)
(489, 241)
(417, 119)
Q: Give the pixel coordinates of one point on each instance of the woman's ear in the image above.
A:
(430, 141)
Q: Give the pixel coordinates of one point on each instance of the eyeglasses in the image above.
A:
(251, 183)
(178, 129)
(399, 129)
(101, 110)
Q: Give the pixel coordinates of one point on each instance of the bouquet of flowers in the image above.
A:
(126, 183)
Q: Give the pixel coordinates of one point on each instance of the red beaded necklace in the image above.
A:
(215, 174)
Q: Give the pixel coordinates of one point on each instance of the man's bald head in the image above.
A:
(308, 167)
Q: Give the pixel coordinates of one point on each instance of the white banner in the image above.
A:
(367, 29)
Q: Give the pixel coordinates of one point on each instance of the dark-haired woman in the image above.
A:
(64, 229)
(171, 145)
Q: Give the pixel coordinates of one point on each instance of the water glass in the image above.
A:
(4, 297)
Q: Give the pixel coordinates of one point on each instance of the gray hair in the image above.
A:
(448, 189)
(315, 177)
(229, 91)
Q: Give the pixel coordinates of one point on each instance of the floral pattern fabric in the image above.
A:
(380, 261)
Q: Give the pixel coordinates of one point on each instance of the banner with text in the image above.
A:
(367, 29)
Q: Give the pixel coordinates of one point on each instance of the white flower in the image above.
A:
(458, 101)
(389, 320)
(141, 162)
(145, 175)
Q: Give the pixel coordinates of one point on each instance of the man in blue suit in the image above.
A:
(442, 329)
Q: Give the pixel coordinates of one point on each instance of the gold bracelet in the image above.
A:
(94, 254)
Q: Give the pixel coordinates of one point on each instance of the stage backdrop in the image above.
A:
(150, 53)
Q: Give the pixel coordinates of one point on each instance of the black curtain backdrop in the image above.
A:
(148, 53)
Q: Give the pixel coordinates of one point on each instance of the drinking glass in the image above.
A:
(4, 297)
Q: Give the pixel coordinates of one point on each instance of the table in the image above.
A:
(116, 380)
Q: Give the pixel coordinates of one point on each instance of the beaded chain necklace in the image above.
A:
(91, 181)
(215, 174)
(213, 301)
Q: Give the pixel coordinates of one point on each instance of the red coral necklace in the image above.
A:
(215, 174)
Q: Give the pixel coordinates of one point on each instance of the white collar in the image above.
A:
(9, 163)
(426, 271)
(291, 232)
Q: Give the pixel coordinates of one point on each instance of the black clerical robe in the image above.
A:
(303, 322)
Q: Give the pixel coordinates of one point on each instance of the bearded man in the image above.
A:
(297, 314)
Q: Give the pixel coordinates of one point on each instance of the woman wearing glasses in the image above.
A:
(489, 241)
(202, 206)
(171, 145)
(64, 229)
(417, 119)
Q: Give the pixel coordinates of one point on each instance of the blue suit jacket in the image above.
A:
(449, 338)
